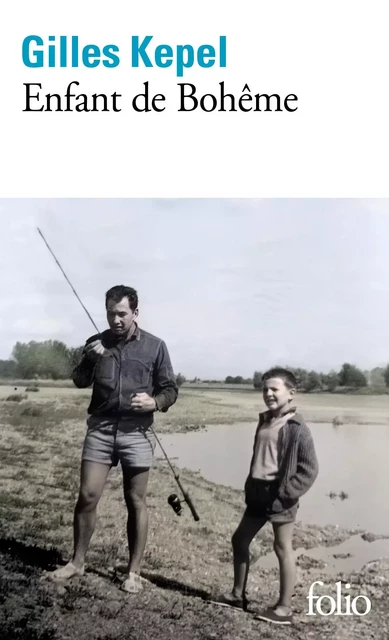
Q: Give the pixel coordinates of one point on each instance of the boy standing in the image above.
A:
(283, 467)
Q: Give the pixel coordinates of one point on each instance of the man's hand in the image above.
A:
(143, 403)
(94, 350)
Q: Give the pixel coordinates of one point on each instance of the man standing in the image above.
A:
(132, 377)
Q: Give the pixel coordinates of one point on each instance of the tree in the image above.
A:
(75, 355)
(351, 376)
(313, 381)
(301, 376)
(377, 377)
(257, 380)
(386, 376)
(237, 380)
(7, 369)
(49, 359)
(180, 379)
(330, 380)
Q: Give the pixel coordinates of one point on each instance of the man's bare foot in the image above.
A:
(67, 572)
(133, 584)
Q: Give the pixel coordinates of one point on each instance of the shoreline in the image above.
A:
(185, 563)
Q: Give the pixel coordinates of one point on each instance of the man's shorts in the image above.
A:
(262, 502)
(109, 440)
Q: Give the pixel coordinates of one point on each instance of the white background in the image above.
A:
(332, 54)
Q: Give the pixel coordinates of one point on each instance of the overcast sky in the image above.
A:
(230, 285)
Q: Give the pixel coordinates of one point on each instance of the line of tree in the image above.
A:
(349, 377)
(238, 380)
(52, 359)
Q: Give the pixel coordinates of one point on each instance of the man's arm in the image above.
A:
(165, 387)
(83, 374)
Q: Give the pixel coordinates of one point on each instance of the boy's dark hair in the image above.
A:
(119, 292)
(285, 375)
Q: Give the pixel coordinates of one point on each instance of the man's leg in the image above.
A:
(283, 533)
(241, 540)
(135, 486)
(93, 479)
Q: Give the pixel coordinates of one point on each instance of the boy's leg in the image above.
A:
(241, 540)
(283, 533)
(93, 478)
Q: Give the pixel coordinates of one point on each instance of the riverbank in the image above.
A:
(184, 562)
(196, 409)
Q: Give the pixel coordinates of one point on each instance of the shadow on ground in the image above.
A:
(175, 585)
(31, 555)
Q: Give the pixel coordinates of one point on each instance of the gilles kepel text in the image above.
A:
(67, 52)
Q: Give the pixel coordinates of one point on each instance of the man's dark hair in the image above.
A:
(119, 292)
(285, 375)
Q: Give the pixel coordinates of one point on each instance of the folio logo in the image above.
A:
(351, 606)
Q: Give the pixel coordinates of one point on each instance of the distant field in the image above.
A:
(68, 383)
(197, 408)
(41, 383)
(195, 386)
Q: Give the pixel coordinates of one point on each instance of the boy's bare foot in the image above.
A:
(281, 610)
(67, 572)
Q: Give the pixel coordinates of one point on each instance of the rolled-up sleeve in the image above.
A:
(165, 387)
(83, 374)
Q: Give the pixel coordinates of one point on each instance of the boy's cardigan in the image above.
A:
(298, 465)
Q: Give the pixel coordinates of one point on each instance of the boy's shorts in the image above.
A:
(109, 440)
(262, 502)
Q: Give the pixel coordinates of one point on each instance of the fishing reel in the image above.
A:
(175, 503)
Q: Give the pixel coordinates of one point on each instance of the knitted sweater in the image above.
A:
(298, 465)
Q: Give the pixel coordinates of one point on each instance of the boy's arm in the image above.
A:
(165, 387)
(307, 468)
(260, 423)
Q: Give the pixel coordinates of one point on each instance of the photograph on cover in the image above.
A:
(194, 418)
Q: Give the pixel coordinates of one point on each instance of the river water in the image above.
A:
(351, 491)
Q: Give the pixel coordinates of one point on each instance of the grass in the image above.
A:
(31, 410)
(16, 397)
(40, 446)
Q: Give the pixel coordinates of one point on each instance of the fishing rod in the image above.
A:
(68, 281)
(173, 499)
